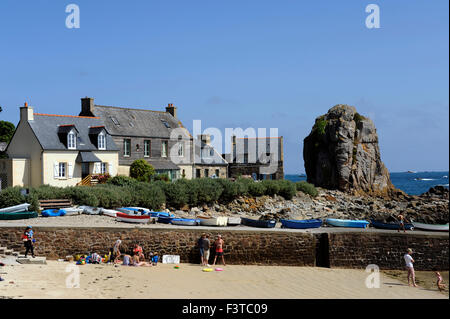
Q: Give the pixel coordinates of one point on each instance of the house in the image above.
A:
(207, 161)
(158, 137)
(58, 150)
(260, 158)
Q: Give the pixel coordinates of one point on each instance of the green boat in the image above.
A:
(18, 215)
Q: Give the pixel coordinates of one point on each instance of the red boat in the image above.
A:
(132, 218)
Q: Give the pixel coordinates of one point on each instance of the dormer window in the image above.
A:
(101, 141)
(71, 140)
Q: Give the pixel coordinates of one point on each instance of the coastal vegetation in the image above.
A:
(122, 191)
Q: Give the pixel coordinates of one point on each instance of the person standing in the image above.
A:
(219, 243)
(201, 250)
(28, 241)
(116, 251)
(410, 267)
(206, 248)
(402, 223)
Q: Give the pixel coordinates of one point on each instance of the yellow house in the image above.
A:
(58, 150)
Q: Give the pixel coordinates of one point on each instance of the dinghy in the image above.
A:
(184, 222)
(347, 223)
(141, 210)
(164, 220)
(73, 211)
(300, 224)
(91, 210)
(393, 226)
(207, 221)
(431, 227)
(109, 212)
(258, 223)
(132, 218)
(234, 221)
(18, 215)
(15, 209)
(53, 212)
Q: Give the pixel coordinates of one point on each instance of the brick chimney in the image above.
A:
(171, 109)
(87, 106)
(26, 113)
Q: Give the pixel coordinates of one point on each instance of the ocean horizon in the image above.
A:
(412, 183)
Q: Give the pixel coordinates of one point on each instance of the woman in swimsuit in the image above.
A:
(439, 283)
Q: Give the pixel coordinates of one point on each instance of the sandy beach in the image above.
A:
(189, 281)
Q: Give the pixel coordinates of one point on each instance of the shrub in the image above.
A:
(204, 191)
(81, 195)
(147, 195)
(176, 193)
(271, 187)
(256, 189)
(141, 170)
(11, 196)
(243, 185)
(229, 190)
(306, 188)
(319, 126)
(287, 189)
(122, 181)
(161, 177)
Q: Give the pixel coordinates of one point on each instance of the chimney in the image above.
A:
(26, 113)
(87, 106)
(205, 138)
(171, 109)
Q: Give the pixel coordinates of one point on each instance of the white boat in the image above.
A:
(73, 211)
(123, 217)
(234, 221)
(207, 221)
(15, 209)
(91, 210)
(109, 212)
(131, 211)
(431, 227)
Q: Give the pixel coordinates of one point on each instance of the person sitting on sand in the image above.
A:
(219, 249)
(439, 283)
(155, 259)
(137, 251)
(127, 260)
(402, 223)
(138, 263)
(116, 251)
(409, 266)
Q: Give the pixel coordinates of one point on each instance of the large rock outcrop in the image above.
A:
(342, 152)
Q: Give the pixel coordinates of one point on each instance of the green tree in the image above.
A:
(6, 131)
(141, 170)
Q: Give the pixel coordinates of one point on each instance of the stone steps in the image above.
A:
(9, 256)
(31, 261)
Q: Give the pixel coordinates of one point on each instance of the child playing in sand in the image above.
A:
(154, 259)
(439, 283)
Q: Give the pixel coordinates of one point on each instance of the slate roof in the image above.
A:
(160, 165)
(47, 128)
(120, 121)
(87, 157)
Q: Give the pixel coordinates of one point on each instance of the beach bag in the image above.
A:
(24, 237)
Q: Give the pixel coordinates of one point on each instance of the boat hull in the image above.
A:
(391, 226)
(347, 223)
(258, 223)
(15, 209)
(234, 221)
(53, 213)
(73, 211)
(141, 219)
(164, 220)
(89, 210)
(208, 221)
(18, 215)
(430, 227)
(109, 212)
(301, 224)
(184, 222)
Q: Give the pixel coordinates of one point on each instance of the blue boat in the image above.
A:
(144, 211)
(164, 219)
(258, 223)
(53, 212)
(347, 223)
(393, 226)
(301, 224)
(185, 222)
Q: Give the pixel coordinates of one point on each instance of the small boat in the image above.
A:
(73, 211)
(258, 223)
(91, 210)
(109, 212)
(161, 214)
(132, 218)
(141, 210)
(234, 221)
(432, 227)
(393, 226)
(347, 223)
(53, 212)
(207, 221)
(15, 209)
(18, 215)
(184, 222)
(164, 219)
(300, 224)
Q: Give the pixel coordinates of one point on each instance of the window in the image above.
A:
(211, 152)
(101, 141)
(206, 172)
(103, 168)
(164, 149)
(217, 173)
(166, 124)
(114, 120)
(62, 170)
(126, 147)
(197, 173)
(180, 149)
(71, 141)
(147, 148)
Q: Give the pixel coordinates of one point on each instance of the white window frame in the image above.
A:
(164, 147)
(125, 148)
(103, 168)
(71, 140)
(181, 149)
(147, 148)
(101, 141)
(62, 170)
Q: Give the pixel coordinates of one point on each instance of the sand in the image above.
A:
(189, 282)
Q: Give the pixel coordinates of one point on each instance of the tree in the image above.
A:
(141, 170)
(6, 131)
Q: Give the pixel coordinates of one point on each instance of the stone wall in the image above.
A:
(335, 250)
(386, 250)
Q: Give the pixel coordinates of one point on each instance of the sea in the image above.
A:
(412, 183)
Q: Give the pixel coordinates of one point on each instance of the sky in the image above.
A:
(230, 64)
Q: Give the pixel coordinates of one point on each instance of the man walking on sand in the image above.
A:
(219, 249)
(206, 248)
(409, 266)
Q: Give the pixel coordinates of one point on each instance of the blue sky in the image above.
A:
(258, 64)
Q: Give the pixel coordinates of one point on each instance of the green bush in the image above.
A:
(287, 189)
(307, 188)
(176, 193)
(147, 195)
(122, 181)
(11, 196)
(320, 126)
(256, 189)
(81, 196)
(229, 190)
(272, 187)
(141, 170)
(161, 177)
(203, 191)
(243, 185)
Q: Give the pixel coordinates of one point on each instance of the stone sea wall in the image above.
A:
(327, 249)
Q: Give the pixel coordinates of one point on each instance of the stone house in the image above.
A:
(207, 161)
(58, 150)
(259, 158)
